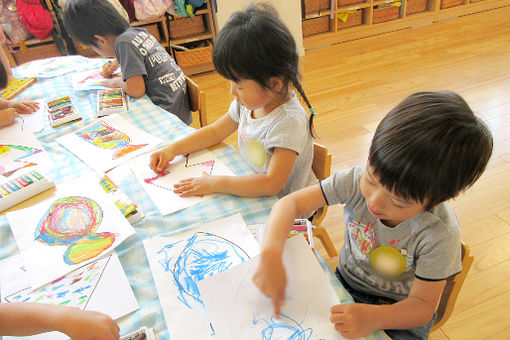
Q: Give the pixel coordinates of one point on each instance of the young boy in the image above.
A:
(146, 66)
(402, 240)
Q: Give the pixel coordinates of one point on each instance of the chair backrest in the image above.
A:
(321, 166)
(452, 289)
(196, 100)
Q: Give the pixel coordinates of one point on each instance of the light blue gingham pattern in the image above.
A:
(154, 120)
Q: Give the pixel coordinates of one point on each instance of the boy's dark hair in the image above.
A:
(255, 44)
(83, 19)
(430, 147)
(3, 77)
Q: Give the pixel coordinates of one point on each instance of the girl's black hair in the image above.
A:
(430, 147)
(83, 19)
(3, 77)
(255, 44)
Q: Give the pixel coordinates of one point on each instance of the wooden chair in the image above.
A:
(321, 166)
(452, 289)
(196, 101)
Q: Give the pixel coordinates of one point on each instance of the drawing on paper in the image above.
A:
(72, 221)
(15, 153)
(206, 166)
(73, 289)
(204, 255)
(283, 328)
(94, 78)
(104, 136)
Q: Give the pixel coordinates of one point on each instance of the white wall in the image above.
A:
(289, 11)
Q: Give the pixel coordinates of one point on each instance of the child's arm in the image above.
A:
(21, 319)
(264, 184)
(134, 86)
(7, 116)
(357, 319)
(270, 274)
(19, 107)
(198, 140)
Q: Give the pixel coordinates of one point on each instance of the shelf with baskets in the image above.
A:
(353, 19)
(191, 40)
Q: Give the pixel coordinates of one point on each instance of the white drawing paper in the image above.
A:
(179, 261)
(236, 306)
(90, 80)
(99, 286)
(22, 152)
(52, 67)
(160, 187)
(69, 229)
(27, 122)
(108, 142)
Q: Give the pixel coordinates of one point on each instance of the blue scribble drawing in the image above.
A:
(204, 255)
(283, 328)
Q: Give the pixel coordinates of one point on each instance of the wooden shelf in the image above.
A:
(431, 14)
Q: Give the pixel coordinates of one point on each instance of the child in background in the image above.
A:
(257, 53)
(146, 66)
(27, 318)
(10, 109)
(402, 240)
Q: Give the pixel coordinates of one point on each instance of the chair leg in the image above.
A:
(323, 236)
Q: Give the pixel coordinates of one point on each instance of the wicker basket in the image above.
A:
(314, 6)
(451, 3)
(33, 52)
(416, 6)
(354, 19)
(385, 14)
(343, 3)
(315, 26)
(185, 27)
(153, 30)
(194, 57)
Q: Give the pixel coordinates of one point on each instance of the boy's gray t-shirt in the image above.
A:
(429, 242)
(285, 127)
(139, 53)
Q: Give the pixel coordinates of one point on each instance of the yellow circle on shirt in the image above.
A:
(256, 153)
(388, 261)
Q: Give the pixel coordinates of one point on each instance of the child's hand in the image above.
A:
(24, 107)
(109, 68)
(112, 83)
(7, 116)
(353, 320)
(160, 159)
(270, 278)
(195, 186)
(89, 325)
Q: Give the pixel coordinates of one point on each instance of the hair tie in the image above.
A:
(312, 111)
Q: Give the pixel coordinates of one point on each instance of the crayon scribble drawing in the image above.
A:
(72, 221)
(195, 169)
(204, 255)
(104, 136)
(73, 289)
(284, 327)
(15, 157)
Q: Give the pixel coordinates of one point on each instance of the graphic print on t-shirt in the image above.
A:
(362, 234)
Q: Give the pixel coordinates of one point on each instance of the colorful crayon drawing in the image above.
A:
(104, 136)
(284, 327)
(203, 256)
(72, 221)
(13, 158)
(73, 289)
(198, 167)
(94, 78)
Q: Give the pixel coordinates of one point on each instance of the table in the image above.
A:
(145, 115)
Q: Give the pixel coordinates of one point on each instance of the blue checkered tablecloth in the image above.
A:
(154, 120)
